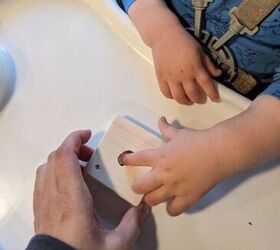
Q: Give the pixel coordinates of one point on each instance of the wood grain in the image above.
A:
(122, 135)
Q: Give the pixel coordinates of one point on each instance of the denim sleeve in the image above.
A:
(274, 88)
(45, 242)
(127, 4)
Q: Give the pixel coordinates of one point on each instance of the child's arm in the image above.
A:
(192, 162)
(183, 70)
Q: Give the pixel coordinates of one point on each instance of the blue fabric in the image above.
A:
(127, 4)
(259, 54)
(274, 88)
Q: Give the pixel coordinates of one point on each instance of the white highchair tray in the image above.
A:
(76, 71)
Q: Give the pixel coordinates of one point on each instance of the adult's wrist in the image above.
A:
(41, 242)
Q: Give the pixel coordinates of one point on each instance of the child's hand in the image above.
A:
(184, 169)
(183, 70)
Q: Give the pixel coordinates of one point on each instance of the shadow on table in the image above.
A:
(7, 78)
(110, 207)
(225, 187)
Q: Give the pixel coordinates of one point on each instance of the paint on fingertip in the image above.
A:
(122, 156)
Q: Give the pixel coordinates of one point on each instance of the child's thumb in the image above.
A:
(166, 129)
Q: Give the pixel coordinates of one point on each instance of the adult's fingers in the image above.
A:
(129, 228)
(208, 85)
(64, 161)
(165, 90)
(85, 153)
(75, 140)
(39, 193)
(178, 94)
(158, 196)
(194, 92)
(166, 129)
(39, 189)
(147, 183)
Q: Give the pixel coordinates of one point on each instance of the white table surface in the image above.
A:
(74, 71)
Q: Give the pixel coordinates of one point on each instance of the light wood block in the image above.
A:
(104, 166)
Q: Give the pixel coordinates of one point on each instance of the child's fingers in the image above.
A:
(208, 85)
(158, 196)
(167, 130)
(165, 90)
(147, 183)
(211, 67)
(177, 206)
(178, 94)
(141, 158)
(194, 92)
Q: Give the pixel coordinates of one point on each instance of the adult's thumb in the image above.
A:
(131, 224)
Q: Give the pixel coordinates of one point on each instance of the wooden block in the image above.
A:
(104, 166)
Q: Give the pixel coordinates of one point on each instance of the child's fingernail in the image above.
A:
(163, 118)
(121, 158)
(218, 100)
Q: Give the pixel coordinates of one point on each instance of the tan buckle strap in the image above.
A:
(252, 12)
(245, 18)
(244, 82)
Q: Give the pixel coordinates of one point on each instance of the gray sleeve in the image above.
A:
(45, 242)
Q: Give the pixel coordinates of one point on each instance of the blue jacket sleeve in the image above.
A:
(274, 88)
(127, 4)
(45, 242)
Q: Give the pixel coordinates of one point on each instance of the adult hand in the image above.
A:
(63, 206)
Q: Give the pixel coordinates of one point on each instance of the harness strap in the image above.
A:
(245, 19)
(251, 13)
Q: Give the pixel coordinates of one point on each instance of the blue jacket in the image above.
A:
(258, 55)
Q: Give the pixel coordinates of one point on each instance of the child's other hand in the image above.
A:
(184, 169)
(183, 70)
